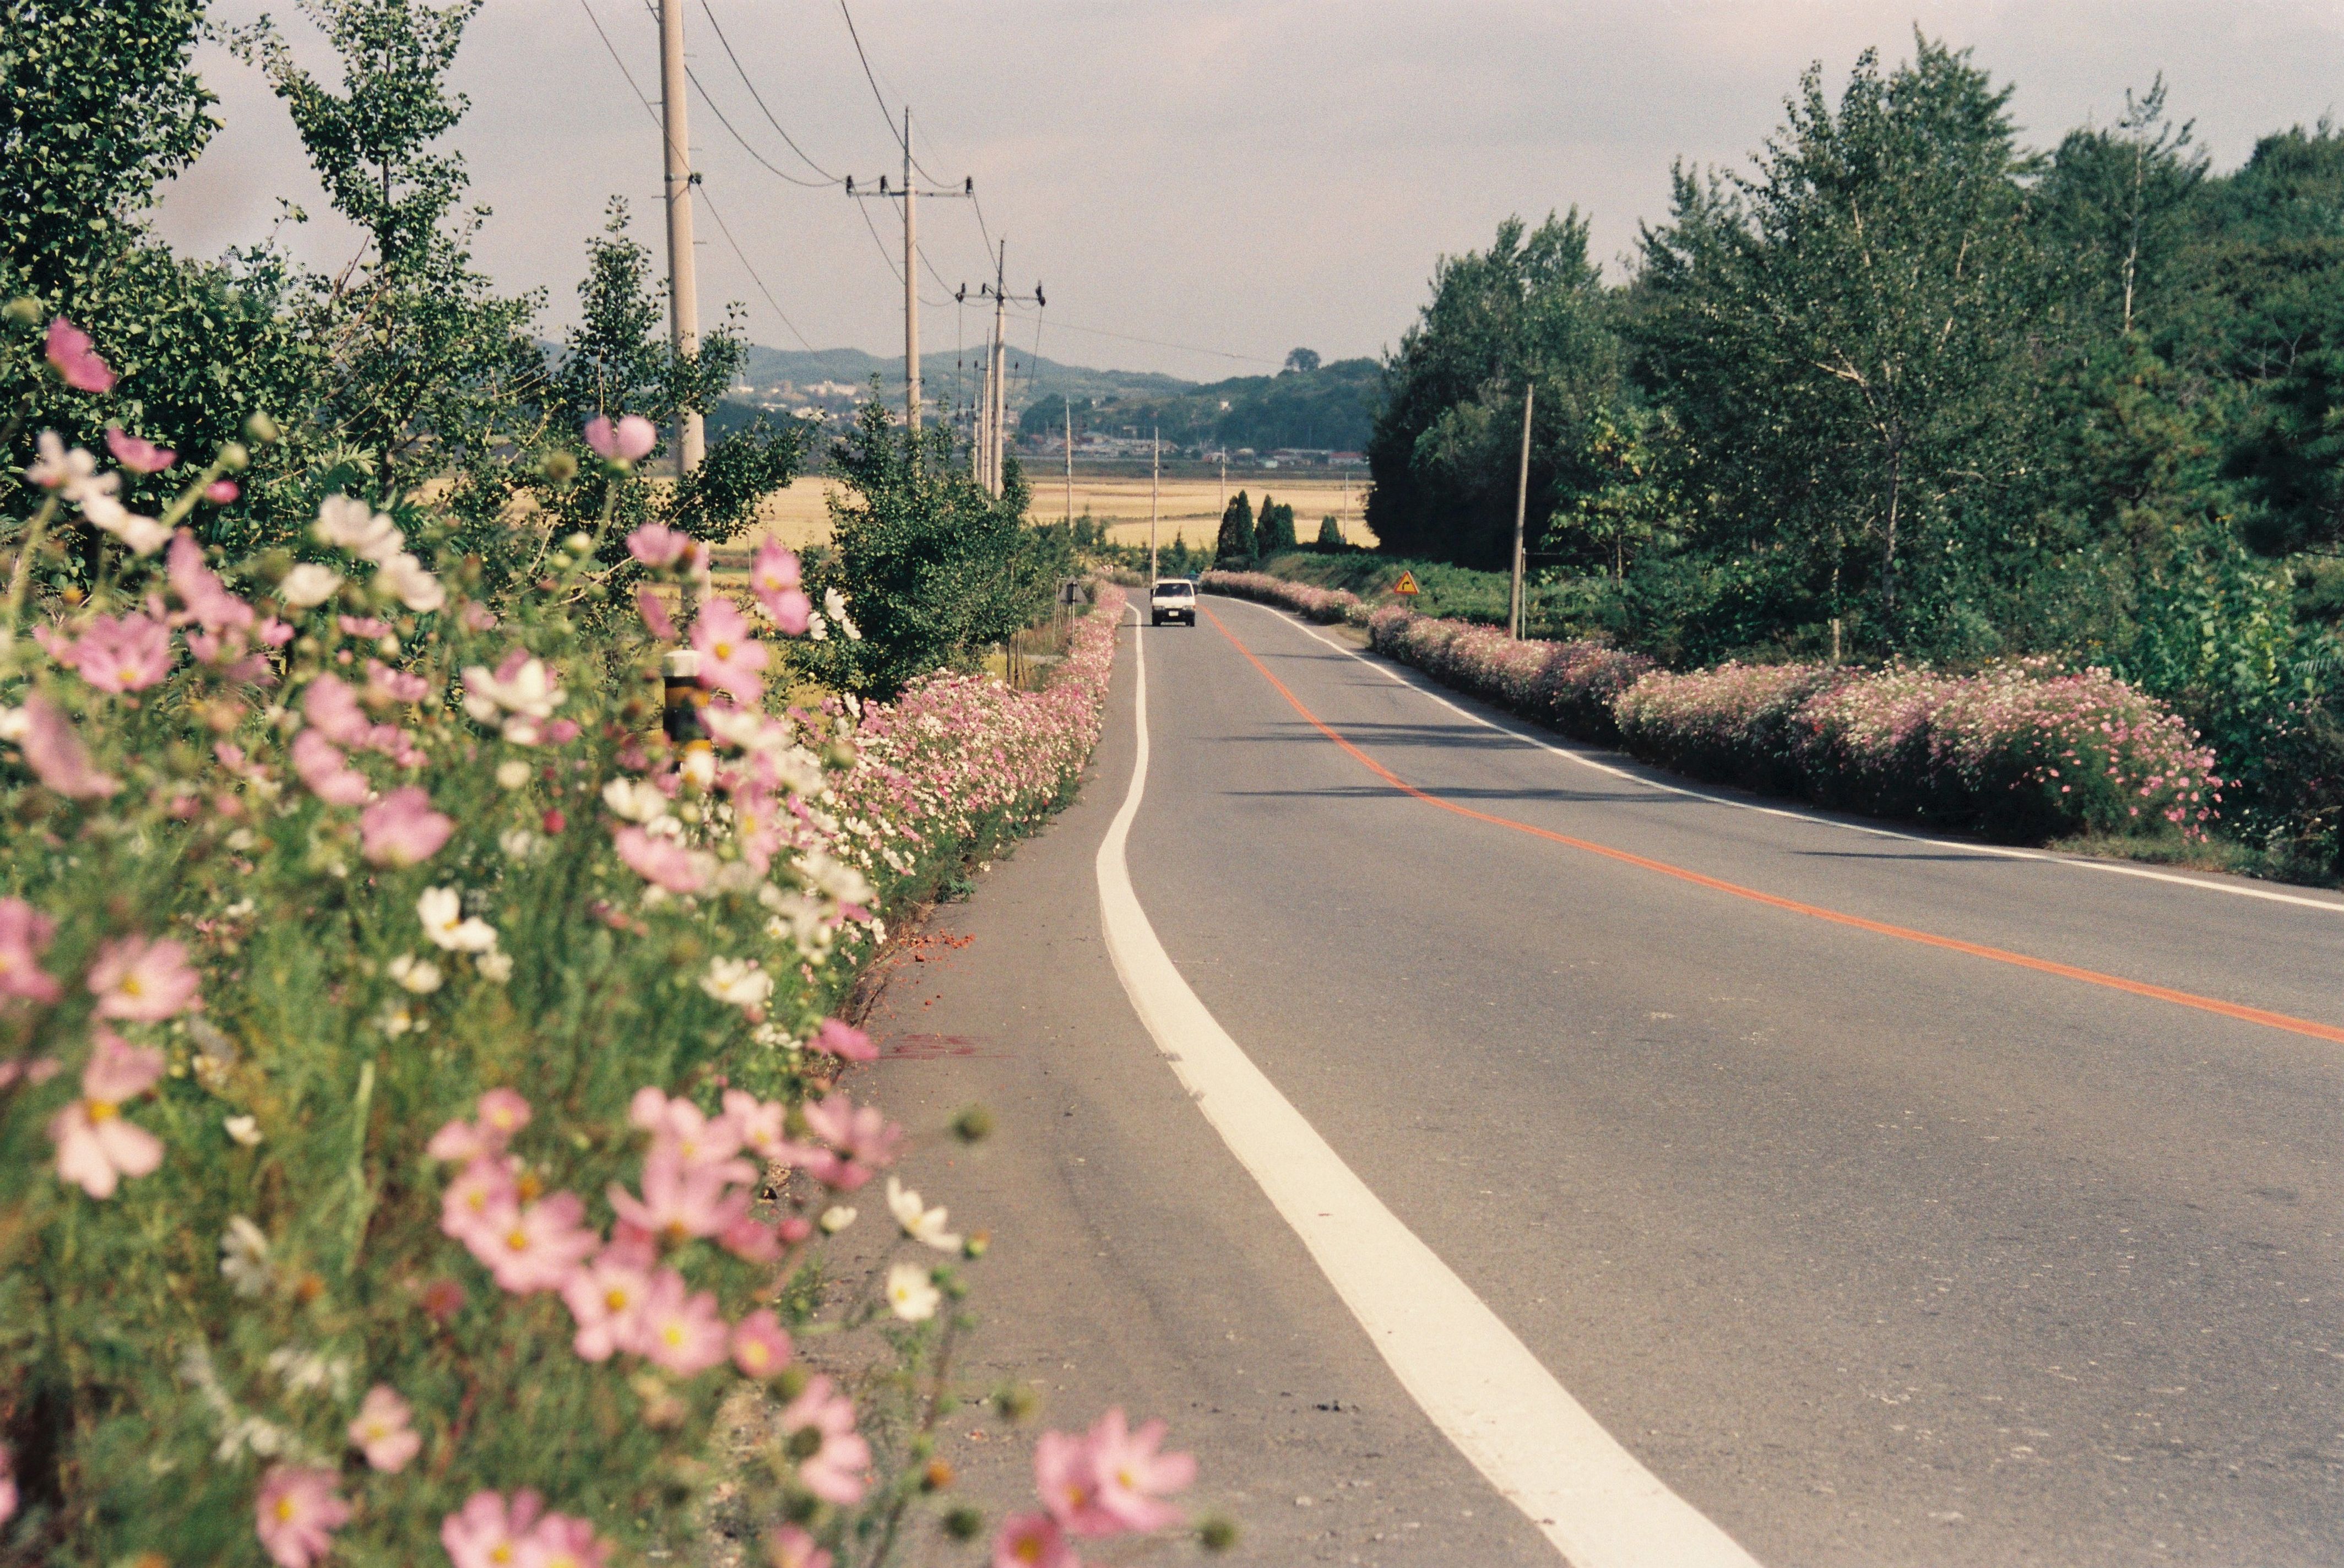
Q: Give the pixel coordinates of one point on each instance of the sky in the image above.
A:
(1199, 185)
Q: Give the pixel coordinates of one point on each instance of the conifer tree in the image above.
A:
(1275, 530)
(1330, 533)
(1234, 551)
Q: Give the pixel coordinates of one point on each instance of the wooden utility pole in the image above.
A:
(682, 288)
(1155, 490)
(1522, 506)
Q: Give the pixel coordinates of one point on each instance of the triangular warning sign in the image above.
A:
(1407, 584)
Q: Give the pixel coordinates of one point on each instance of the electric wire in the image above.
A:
(876, 95)
(723, 228)
(759, 98)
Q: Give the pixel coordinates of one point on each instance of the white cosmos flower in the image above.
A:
(738, 981)
(421, 976)
(412, 584)
(921, 1224)
(911, 1294)
(348, 523)
(835, 878)
(833, 605)
(242, 1130)
(494, 965)
(634, 799)
(513, 774)
(244, 1257)
(835, 1218)
(309, 585)
(441, 910)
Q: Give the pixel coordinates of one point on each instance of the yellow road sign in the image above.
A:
(1407, 584)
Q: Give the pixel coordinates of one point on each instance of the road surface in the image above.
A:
(1871, 1200)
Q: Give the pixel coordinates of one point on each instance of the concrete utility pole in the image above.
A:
(911, 285)
(1070, 463)
(1522, 505)
(996, 399)
(1155, 487)
(683, 290)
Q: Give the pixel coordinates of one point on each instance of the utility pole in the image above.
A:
(1522, 505)
(990, 467)
(911, 195)
(683, 290)
(1155, 487)
(1070, 464)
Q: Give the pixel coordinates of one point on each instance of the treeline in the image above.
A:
(1329, 406)
(1907, 389)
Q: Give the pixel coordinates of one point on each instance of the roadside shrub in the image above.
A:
(1571, 685)
(1733, 724)
(1320, 605)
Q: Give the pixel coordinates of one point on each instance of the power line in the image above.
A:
(706, 97)
(723, 228)
(876, 95)
(758, 96)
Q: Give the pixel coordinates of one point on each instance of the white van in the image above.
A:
(1172, 599)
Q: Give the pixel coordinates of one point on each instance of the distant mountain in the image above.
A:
(1331, 409)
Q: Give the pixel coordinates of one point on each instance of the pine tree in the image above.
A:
(1330, 533)
(1234, 551)
(1275, 530)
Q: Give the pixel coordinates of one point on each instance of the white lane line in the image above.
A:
(2113, 868)
(1479, 1384)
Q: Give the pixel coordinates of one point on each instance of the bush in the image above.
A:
(1732, 723)
(1319, 604)
(1570, 685)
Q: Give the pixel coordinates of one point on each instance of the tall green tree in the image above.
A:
(1233, 550)
(1529, 310)
(1844, 337)
(1273, 530)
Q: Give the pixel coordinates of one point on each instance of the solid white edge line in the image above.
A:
(1390, 671)
(1479, 1384)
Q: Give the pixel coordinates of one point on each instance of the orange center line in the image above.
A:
(2263, 1016)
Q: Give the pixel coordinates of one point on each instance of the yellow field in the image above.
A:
(800, 515)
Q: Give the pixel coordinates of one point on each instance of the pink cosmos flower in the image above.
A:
(136, 455)
(75, 360)
(860, 1142)
(730, 656)
(760, 1125)
(25, 934)
(8, 1485)
(386, 684)
(653, 610)
(791, 1547)
(751, 1240)
(128, 654)
(761, 1346)
(560, 1540)
(382, 1433)
(681, 1128)
(487, 1532)
(329, 704)
(221, 491)
(606, 1296)
(1031, 1541)
(681, 1331)
(96, 1146)
(844, 1040)
(296, 1513)
(792, 611)
(534, 1247)
(837, 1471)
(401, 828)
(660, 861)
(629, 440)
(1066, 1475)
(143, 981)
(208, 602)
(327, 772)
(773, 569)
(482, 1192)
(682, 1200)
(57, 756)
(365, 626)
(502, 1113)
(1131, 1475)
(658, 546)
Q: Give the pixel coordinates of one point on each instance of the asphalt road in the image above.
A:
(1871, 1250)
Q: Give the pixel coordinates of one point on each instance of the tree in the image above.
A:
(1444, 451)
(1330, 533)
(1233, 550)
(932, 568)
(1273, 530)
(1843, 336)
(1302, 361)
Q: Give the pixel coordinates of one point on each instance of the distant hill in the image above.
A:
(834, 378)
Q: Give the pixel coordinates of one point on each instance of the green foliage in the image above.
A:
(934, 569)
(1234, 546)
(1330, 533)
(1530, 309)
(1273, 530)
(1330, 406)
